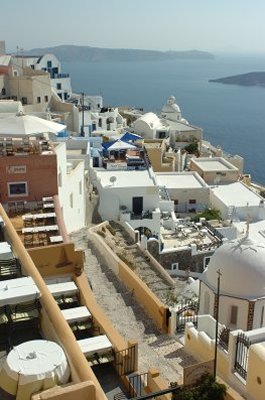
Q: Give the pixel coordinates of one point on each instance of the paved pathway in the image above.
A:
(155, 349)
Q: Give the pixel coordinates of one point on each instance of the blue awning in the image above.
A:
(130, 136)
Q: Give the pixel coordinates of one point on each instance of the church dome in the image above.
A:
(171, 106)
(242, 265)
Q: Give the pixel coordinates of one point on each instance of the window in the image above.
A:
(174, 266)
(206, 303)
(192, 201)
(58, 86)
(262, 317)
(162, 135)
(17, 189)
(100, 123)
(71, 200)
(46, 99)
(65, 95)
(206, 261)
(80, 187)
(233, 315)
(24, 100)
(176, 202)
(38, 99)
(49, 64)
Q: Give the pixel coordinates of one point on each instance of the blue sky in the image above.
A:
(213, 25)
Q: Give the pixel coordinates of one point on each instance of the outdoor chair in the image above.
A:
(65, 302)
(10, 269)
(4, 329)
(24, 320)
(82, 329)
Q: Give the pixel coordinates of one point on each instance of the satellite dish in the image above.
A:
(113, 179)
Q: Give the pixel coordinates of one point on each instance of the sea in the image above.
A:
(231, 116)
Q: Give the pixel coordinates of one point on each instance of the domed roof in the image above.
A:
(151, 119)
(242, 265)
(171, 106)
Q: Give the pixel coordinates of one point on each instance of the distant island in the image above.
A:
(249, 79)
(96, 54)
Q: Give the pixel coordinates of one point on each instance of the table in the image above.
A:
(19, 290)
(57, 289)
(5, 251)
(76, 314)
(56, 239)
(44, 228)
(95, 344)
(49, 199)
(48, 205)
(39, 216)
(32, 366)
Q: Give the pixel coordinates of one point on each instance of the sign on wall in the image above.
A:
(16, 169)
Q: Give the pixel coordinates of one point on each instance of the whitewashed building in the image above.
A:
(237, 202)
(71, 188)
(60, 82)
(187, 190)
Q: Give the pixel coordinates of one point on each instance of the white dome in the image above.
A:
(171, 106)
(242, 265)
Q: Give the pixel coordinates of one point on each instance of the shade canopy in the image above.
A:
(118, 145)
(27, 125)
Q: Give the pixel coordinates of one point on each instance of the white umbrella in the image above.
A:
(26, 125)
(119, 145)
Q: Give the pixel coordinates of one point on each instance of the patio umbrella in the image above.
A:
(26, 125)
(121, 145)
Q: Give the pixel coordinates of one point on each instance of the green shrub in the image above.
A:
(206, 388)
(192, 147)
(209, 213)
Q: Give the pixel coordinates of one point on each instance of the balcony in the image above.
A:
(59, 76)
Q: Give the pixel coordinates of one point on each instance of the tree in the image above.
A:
(206, 388)
(209, 213)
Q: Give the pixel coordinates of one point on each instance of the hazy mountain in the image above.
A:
(96, 54)
(249, 79)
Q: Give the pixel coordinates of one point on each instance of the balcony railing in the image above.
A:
(59, 76)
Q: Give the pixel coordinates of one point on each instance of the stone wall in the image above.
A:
(183, 258)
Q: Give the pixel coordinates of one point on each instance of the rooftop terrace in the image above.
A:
(25, 146)
(187, 233)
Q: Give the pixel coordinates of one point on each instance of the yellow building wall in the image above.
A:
(57, 260)
(256, 372)
(79, 391)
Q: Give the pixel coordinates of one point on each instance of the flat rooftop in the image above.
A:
(236, 194)
(180, 180)
(123, 179)
(214, 164)
(186, 234)
(256, 230)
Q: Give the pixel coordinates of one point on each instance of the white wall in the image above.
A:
(72, 185)
(257, 314)
(112, 198)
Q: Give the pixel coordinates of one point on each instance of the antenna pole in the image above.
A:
(83, 113)
(217, 323)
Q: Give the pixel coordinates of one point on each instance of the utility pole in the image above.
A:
(83, 114)
(217, 322)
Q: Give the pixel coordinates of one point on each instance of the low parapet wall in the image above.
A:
(150, 303)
